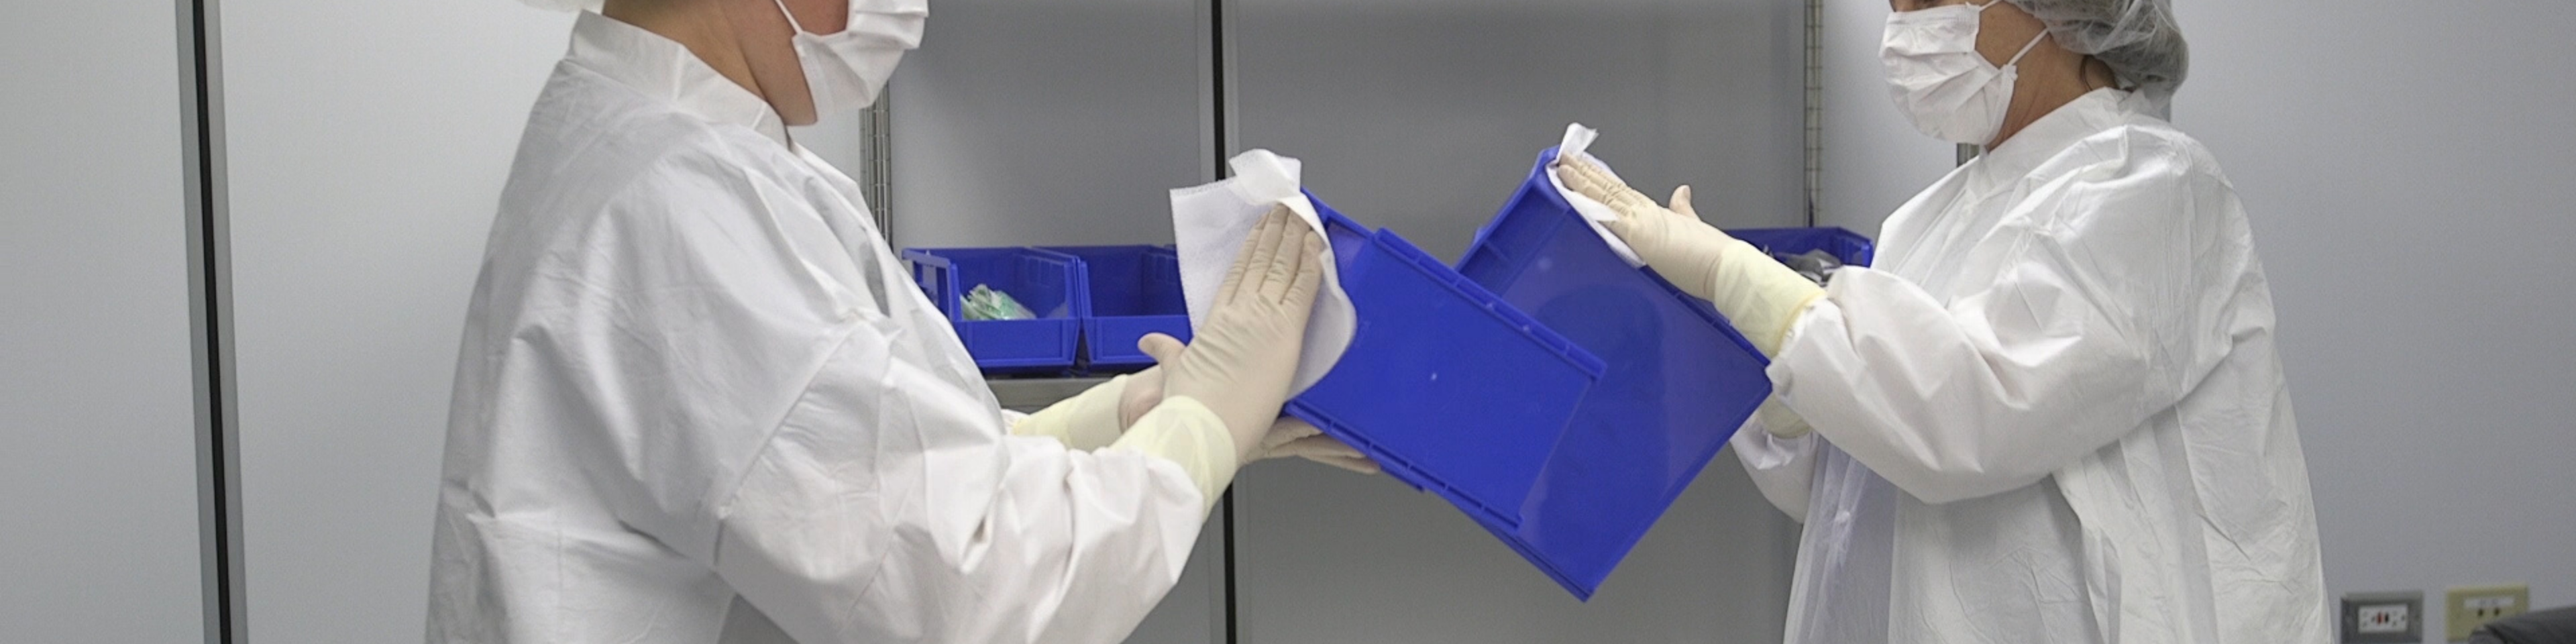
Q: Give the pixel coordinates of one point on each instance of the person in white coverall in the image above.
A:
(2054, 410)
(699, 401)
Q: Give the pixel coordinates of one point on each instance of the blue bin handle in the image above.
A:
(938, 279)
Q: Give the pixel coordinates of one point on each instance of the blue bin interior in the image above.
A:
(1679, 382)
(1850, 247)
(1133, 291)
(1047, 283)
(1446, 387)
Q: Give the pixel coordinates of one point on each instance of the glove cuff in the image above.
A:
(1184, 431)
(1777, 418)
(1763, 297)
(1087, 421)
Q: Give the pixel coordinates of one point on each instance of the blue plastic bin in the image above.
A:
(1680, 380)
(1448, 388)
(1132, 291)
(1048, 283)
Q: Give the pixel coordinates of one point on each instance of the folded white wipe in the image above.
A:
(1578, 139)
(1209, 224)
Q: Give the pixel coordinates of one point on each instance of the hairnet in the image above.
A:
(2137, 38)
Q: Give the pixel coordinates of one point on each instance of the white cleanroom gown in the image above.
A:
(699, 401)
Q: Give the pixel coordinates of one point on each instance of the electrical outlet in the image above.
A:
(2469, 607)
(2383, 618)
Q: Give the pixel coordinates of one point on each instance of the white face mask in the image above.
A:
(843, 71)
(1950, 91)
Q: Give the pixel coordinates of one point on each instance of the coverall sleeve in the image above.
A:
(2083, 335)
(888, 508)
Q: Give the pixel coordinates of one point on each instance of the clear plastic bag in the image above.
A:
(1815, 265)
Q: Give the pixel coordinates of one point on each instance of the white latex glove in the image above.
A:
(1293, 437)
(1245, 352)
(1762, 297)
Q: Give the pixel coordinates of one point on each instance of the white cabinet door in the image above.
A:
(96, 383)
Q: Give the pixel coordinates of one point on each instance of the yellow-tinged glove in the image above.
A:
(1119, 414)
(1762, 297)
(1099, 415)
(1187, 433)
(1288, 436)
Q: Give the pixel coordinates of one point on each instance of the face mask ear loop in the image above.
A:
(2025, 49)
(791, 16)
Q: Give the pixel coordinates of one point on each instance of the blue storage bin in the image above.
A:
(1851, 247)
(1448, 388)
(1133, 291)
(1680, 380)
(1048, 283)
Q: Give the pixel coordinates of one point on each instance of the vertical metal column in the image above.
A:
(1220, 135)
(1815, 107)
(210, 317)
(876, 174)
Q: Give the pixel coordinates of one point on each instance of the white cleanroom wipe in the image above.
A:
(1578, 139)
(1209, 224)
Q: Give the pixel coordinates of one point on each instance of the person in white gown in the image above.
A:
(2054, 410)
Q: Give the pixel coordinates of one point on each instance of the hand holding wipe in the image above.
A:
(1759, 295)
(1244, 355)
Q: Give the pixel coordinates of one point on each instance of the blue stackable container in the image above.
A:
(1680, 380)
(1448, 388)
(1133, 291)
(1048, 283)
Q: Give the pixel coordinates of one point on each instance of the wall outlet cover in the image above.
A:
(2383, 618)
(2469, 607)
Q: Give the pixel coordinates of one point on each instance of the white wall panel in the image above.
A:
(2407, 173)
(1873, 159)
(1423, 116)
(1049, 122)
(1060, 123)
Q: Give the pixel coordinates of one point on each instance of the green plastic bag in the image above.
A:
(984, 303)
